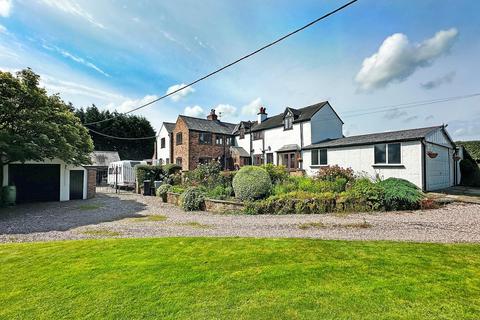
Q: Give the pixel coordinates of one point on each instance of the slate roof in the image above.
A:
(402, 135)
(205, 125)
(169, 126)
(103, 158)
(302, 114)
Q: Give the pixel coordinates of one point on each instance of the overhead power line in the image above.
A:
(358, 113)
(234, 62)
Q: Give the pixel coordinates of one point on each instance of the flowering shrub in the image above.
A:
(192, 199)
(331, 173)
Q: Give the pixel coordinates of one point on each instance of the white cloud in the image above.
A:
(80, 60)
(180, 94)
(55, 85)
(71, 7)
(397, 58)
(225, 111)
(252, 107)
(5, 8)
(439, 81)
(130, 104)
(3, 29)
(195, 111)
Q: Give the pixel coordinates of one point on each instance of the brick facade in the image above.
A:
(181, 151)
(91, 182)
(191, 151)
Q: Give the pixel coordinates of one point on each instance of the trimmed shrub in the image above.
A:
(332, 173)
(192, 199)
(401, 194)
(366, 194)
(171, 168)
(277, 174)
(251, 183)
(162, 191)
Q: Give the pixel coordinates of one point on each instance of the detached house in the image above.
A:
(308, 138)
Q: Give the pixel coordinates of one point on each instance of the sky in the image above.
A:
(119, 54)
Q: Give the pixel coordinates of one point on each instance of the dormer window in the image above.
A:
(288, 121)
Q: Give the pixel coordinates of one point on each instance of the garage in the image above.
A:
(438, 167)
(35, 182)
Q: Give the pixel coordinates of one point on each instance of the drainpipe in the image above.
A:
(424, 167)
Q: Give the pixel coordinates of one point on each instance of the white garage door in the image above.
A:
(438, 168)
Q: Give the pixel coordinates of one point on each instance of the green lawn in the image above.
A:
(235, 278)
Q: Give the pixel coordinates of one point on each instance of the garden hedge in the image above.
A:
(251, 183)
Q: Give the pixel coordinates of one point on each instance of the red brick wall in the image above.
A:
(91, 182)
(198, 150)
(182, 150)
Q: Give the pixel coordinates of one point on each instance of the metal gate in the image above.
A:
(104, 187)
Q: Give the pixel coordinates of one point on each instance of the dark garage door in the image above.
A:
(76, 184)
(35, 182)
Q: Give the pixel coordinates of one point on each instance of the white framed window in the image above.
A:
(388, 153)
(319, 157)
(288, 122)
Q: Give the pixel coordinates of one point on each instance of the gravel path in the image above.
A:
(134, 216)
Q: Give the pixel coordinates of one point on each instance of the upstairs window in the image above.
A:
(288, 122)
(205, 138)
(319, 157)
(388, 153)
(218, 139)
(242, 133)
(178, 138)
(229, 141)
(257, 135)
(162, 143)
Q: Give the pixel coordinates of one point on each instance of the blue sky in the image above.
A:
(118, 54)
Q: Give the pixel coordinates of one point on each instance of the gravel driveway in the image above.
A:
(131, 215)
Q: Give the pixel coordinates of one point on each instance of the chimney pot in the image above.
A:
(262, 114)
(212, 115)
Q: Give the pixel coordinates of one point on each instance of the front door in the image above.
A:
(76, 184)
(289, 160)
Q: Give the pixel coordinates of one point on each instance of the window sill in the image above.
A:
(318, 165)
(388, 165)
(286, 129)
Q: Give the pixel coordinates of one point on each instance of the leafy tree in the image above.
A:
(122, 125)
(36, 126)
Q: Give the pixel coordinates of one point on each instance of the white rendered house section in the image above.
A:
(361, 160)
(325, 124)
(163, 153)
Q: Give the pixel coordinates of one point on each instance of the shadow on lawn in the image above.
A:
(63, 216)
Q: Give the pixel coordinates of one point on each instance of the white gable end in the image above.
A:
(325, 124)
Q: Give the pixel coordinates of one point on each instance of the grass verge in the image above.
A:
(237, 278)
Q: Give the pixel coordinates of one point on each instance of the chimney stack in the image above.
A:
(212, 115)
(262, 114)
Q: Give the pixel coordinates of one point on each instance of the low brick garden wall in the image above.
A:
(173, 198)
(214, 205)
(211, 205)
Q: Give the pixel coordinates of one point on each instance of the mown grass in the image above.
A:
(237, 278)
